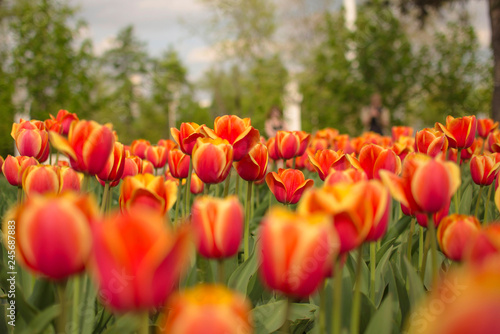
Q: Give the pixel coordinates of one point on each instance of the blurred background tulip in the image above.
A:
(197, 185)
(288, 185)
(14, 167)
(32, 139)
(40, 179)
(485, 126)
(350, 175)
(132, 166)
(149, 191)
(139, 147)
(212, 159)
(401, 131)
(157, 155)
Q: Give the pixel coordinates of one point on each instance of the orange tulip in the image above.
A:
(342, 142)
(272, 150)
(197, 185)
(474, 149)
(178, 164)
(69, 179)
(187, 136)
(328, 134)
(14, 168)
(62, 121)
(350, 175)
(40, 179)
(157, 155)
(238, 132)
(437, 217)
(296, 251)
(217, 225)
(32, 140)
(484, 244)
(454, 233)
(287, 144)
(1, 162)
(137, 260)
(325, 161)
(115, 166)
(459, 131)
(167, 143)
(132, 166)
(288, 185)
(88, 146)
(493, 141)
(403, 147)
(401, 131)
(212, 159)
(426, 184)
(374, 158)
(431, 142)
(208, 309)
(304, 139)
(485, 126)
(139, 147)
(147, 167)
(483, 169)
(52, 234)
(149, 191)
(253, 166)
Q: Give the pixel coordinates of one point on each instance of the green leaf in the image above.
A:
(126, 324)
(416, 290)
(397, 229)
(42, 320)
(465, 202)
(381, 322)
(241, 276)
(43, 294)
(270, 317)
(380, 282)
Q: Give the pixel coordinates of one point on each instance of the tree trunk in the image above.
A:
(495, 45)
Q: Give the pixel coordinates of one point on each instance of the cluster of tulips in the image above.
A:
(181, 214)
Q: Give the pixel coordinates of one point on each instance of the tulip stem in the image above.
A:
(19, 195)
(188, 184)
(488, 198)
(322, 309)
(207, 189)
(420, 247)
(237, 187)
(76, 299)
(286, 325)
(61, 296)
(104, 199)
(110, 200)
(478, 201)
(410, 239)
(228, 181)
(357, 294)
(337, 297)
(373, 260)
(432, 236)
(293, 162)
(246, 247)
(144, 329)
(220, 271)
(424, 259)
(179, 192)
(85, 184)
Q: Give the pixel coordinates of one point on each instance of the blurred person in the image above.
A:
(274, 122)
(375, 117)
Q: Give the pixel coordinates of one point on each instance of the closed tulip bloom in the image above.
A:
(296, 251)
(374, 158)
(208, 309)
(139, 147)
(167, 143)
(147, 190)
(212, 159)
(88, 146)
(426, 184)
(483, 169)
(287, 144)
(319, 144)
(272, 150)
(178, 164)
(238, 132)
(69, 179)
(484, 244)
(454, 234)
(32, 140)
(148, 255)
(157, 155)
(132, 166)
(324, 161)
(52, 233)
(474, 149)
(197, 185)
(350, 175)
(253, 166)
(304, 139)
(113, 170)
(288, 185)
(378, 196)
(431, 142)
(147, 167)
(187, 136)
(437, 217)
(217, 225)
(485, 126)
(40, 179)
(459, 131)
(493, 141)
(401, 131)
(14, 167)
(64, 118)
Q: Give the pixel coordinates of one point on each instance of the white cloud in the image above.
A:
(203, 54)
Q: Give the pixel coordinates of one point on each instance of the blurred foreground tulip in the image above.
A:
(288, 185)
(454, 234)
(14, 167)
(137, 260)
(484, 244)
(32, 140)
(52, 233)
(212, 159)
(208, 309)
(217, 225)
(186, 137)
(253, 166)
(459, 131)
(296, 251)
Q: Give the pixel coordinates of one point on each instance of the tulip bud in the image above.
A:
(52, 233)
(157, 155)
(32, 139)
(113, 170)
(217, 225)
(272, 150)
(459, 131)
(253, 166)
(147, 167)
(186, 137)
(208, 309)
(483, 169)
(139, 147)
(167, 143)
(373, 159)
(454, 233)
(493, 141)
(288, 185)
(132, 166)
(287, 144)
(14, 167)
(296, 251)
(64, 119)
(69, 179)
(212, 159)
(178, 164)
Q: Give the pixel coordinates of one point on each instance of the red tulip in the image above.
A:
(431, 142)
(288, 185)
(14, 168)
(271, 148)
(304, 139)
(373, 159)
(485, 126)
(132, 166)
(483, 169)
(32, 140)
(212, 159)
(350, 175)
(437, 217)
(40, 179)
(115, 166)
(401, 131)
(178, 164)
(186, 137)
(493, 141)
(459, 131)
(197, 185)
(287, 144)
(147, 167)
(157, 155)
(253, 166)
(454, 234)
(324, 161)
(139, 147)
(483, 244)
(69, 179)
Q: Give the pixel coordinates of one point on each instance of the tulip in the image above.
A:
(423, 219)
(238, 132)
(342, 142)
(212, 159)
(324, 161)
(147, 190)
(484, 244)
(483, 169)
(40, 179)
(62, 163)
(350, 175)
(139, 147)
(52, 234)
(319, 144)
(64, 119)
(400, 131)
(374, 158)
(271, 148)
(178, 164)
(148, 256)
(115, 166)
(377, 195)
(157, 155)
(288, 185)
(304, 139)
(14, 167)
(431, 142)
(296, 251)
(485, 126)
(32, 140)
(493, 141)
(167, 143)
(1, 162)
(197, 186)
(328, 134)
(208, 309)
(187, 136)
(253, 166)
(403, 147)
(132, 166)
(88, 146)
(453, 234)
(287, 144)
(217, 226)
(474, 149)
(459, 131)
(69, 179)
(147, 167)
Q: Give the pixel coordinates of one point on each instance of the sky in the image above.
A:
(164, 23)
